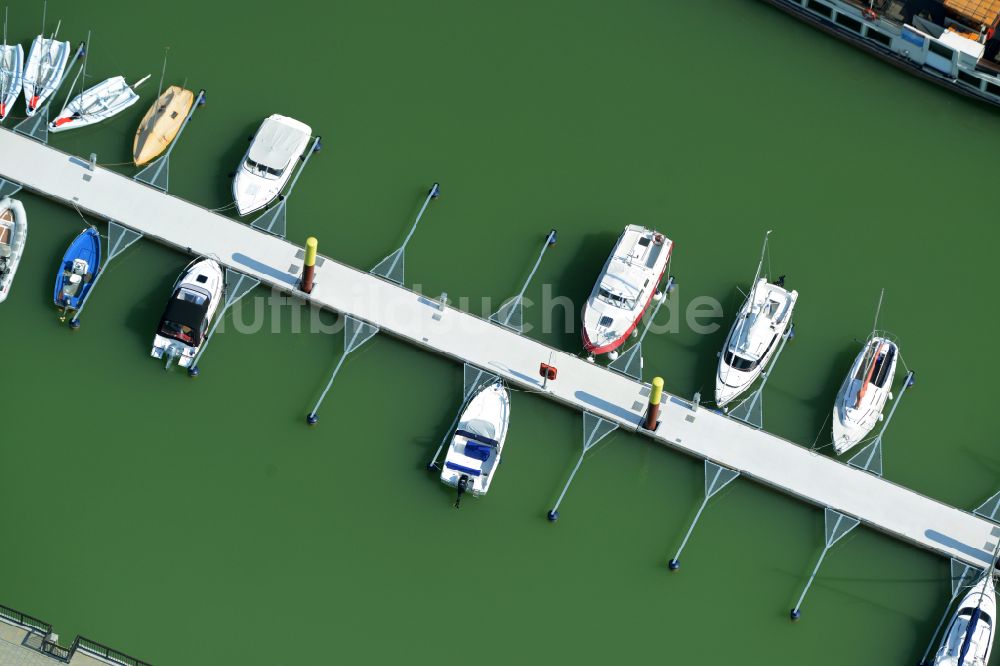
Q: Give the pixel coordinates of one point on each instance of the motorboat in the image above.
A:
(754, 337)
(44, 70)
(194, 302)
(626, 286)
(269, 162)
(13, 235)
(476, 445)
(78, 270)
(103, 101)
(161, 124)
(969, 638)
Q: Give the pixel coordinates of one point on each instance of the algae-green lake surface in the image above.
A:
(200, 521)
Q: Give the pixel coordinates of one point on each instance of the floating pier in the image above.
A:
(383, 304)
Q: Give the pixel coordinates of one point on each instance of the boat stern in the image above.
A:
(173, 351)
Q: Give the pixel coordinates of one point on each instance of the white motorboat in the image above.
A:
(269, 162)
(627, 284)
(477, 443)
(11, 73)
(754, 337)
(863, 394)
(13, 235)
(44, 70)
(193, 304)
(106, 99)
(969, 638)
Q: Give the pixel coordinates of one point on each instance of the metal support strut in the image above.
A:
(837, 527)
(511, 313)
(391, 268)
(594, 430)
(356, 333)
(717, 477)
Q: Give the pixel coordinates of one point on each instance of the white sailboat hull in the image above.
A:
(853, 420)
(478, 440)
(753, 339)
(11, 77)
(44, 71)
(103, 101)
(979, 603)
(13, 236)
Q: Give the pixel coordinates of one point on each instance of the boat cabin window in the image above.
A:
(941, 50)
(192, 296)
(737, 362)
(616, 300)
(263, 168)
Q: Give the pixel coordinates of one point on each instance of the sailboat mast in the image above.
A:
(163, 72)
(3, 79)
(738, 331)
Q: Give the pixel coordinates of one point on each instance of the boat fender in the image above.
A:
(548, 372)
(658, 239)
(869, 14)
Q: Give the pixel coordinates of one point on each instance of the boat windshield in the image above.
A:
(262, 169)
(185, 318)
(616, 300)
(737, 362)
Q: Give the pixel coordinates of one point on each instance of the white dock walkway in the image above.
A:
(780, 464)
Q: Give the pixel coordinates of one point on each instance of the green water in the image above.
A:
(201, 522)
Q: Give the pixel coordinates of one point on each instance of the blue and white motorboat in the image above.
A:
(78, 270)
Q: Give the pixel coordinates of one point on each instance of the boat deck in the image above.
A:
(462, 337)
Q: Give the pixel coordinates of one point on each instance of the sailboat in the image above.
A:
(161, 124)
(624, 289)
(184, 324)
(11, 73)
(106, 99)
(969, 639)
(13, 235)
(44, 70)
(163, 121)
(477, 443)
(754, 336)
(866, 388)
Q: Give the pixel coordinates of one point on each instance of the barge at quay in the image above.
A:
(951, 42)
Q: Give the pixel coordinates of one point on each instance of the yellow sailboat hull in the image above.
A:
(161, 124)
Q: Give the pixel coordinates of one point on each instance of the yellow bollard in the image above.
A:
(655, 395)
(309, 271)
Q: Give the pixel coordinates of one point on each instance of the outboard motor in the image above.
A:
(463, 483)
(780, 282)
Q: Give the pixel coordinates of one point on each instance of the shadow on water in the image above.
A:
(230, 160)
(144, 316)
(705, 348)
(575, 283)
(825, 395)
